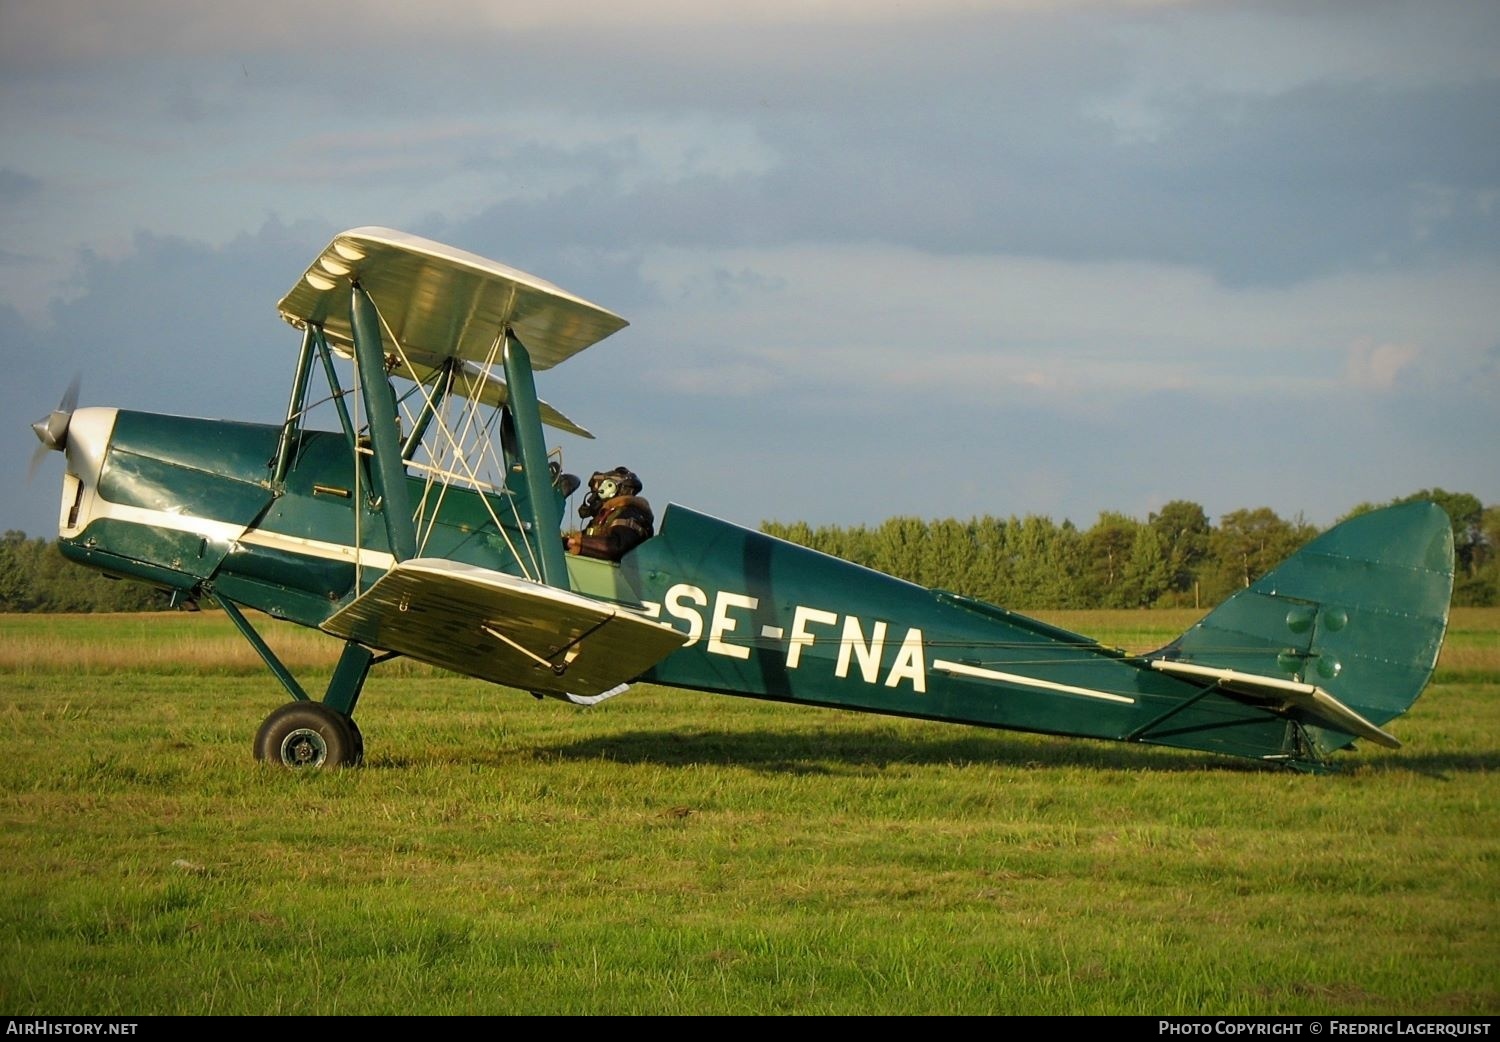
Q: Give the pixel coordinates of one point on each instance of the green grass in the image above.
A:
(670, 852)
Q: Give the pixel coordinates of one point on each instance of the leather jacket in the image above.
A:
(620, 524)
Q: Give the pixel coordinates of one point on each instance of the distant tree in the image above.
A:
(899, 547)
(948, 557)
(1030, 543)
(794, 532)
(1489, 527)
(1246, 545)
(34, 576)
(1146, 574)
(1183, 530)
(1107, 547)
(994, 571)
(855, 544)
(1467, 515)
(18, 572)
(1483, 588)
(1068, 558)
(1047, 561)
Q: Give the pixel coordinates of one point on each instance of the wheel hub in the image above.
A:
(304, 747)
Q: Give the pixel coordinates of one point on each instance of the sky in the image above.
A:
(880, 257)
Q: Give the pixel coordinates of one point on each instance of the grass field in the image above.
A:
(679, 853)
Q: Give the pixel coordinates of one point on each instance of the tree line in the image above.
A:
(35, 576)
(1175, 558)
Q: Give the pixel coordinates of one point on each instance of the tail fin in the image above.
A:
(1343, 635)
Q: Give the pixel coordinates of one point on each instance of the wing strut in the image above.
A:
(380, 403)
(568, 652)
(546, 519)
(294, 408)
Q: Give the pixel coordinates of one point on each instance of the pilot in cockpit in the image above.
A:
(616, 517)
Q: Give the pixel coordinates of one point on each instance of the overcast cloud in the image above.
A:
(938, 259)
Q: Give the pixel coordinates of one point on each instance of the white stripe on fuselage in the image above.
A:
(204, 527)
(963, 670)
(318, 548)
(228, 532)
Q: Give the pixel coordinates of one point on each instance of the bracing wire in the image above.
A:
(453, 445)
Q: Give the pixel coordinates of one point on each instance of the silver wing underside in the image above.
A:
(504, 629)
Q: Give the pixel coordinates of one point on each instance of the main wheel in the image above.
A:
(359, 741)
(309, 734)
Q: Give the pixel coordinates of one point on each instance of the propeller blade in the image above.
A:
(36, 461)
(52, 430)
(70, 396)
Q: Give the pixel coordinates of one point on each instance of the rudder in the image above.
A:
(1360, 612)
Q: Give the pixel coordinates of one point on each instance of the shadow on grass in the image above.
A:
(1430, 765)
(825, 752)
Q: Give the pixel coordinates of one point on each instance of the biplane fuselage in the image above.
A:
(347, 532)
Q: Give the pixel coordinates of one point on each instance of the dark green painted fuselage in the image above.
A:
(191, 505)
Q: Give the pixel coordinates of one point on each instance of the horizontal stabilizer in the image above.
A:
(1312, 700)
(504, 629)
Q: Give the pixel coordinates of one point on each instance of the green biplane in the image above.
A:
(427, 525)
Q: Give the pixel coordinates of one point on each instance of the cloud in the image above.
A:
(961, 128)
(1378, 366)
(93, 32)
(857, 383)
(1012, 256)
(17, 187)
(866, 319)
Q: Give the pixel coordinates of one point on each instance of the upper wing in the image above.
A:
(504, 629)
(441, 301)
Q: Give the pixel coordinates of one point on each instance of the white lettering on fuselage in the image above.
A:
(723, 624)
(678, 610)
(731, 620)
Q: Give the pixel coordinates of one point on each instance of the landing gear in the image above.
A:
(305, 733)
(309, 734)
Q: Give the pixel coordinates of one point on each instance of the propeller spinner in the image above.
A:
(52, 429)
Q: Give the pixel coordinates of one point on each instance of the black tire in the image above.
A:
(359, 742)
(308, 735)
